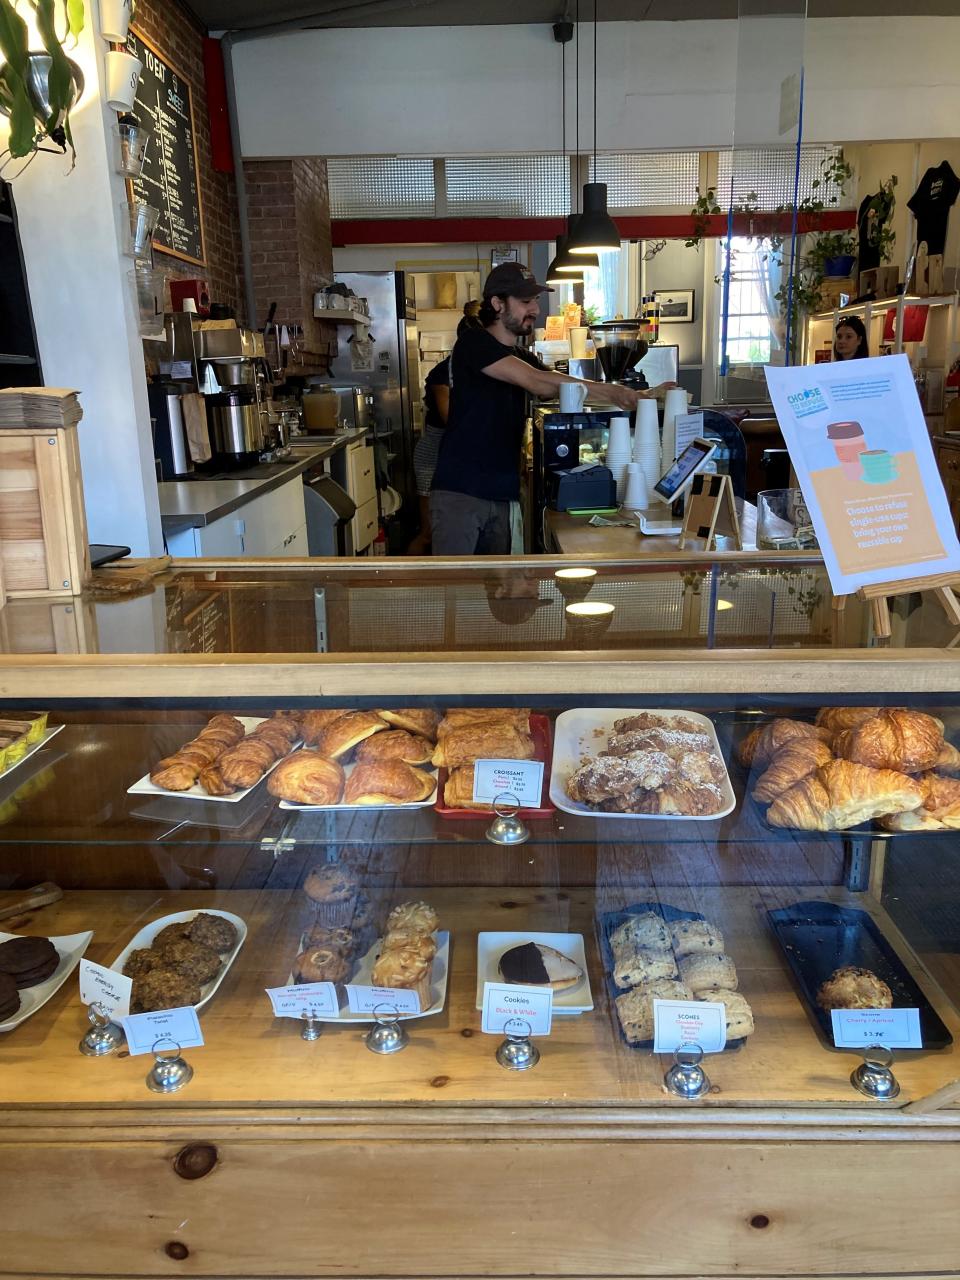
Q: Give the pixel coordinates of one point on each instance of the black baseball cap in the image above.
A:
(515, 280)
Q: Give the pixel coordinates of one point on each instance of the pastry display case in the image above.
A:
(368, 826)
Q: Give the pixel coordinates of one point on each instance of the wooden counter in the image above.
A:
(574, 536)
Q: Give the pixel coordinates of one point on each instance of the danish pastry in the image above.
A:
(307, 777)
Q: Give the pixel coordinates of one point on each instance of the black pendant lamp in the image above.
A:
(563, 269)
(584, 258)
(596, 231)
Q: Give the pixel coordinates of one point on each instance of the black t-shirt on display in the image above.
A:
(931, 204)
(480, 451)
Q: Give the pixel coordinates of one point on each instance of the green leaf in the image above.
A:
(13, 46)
(74, 18)
(61, 77)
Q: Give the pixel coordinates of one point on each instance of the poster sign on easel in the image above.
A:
(861, 451)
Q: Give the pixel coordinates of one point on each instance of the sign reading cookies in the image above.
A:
(686, 1022)
(860, 447)
(503, 1002)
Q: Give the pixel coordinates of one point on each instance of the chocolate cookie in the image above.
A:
(192, 959)
(170, 933)
(28, 960)
(162, 989)
(140, 962)
(212, 931)
(329, 882)
(9, 997)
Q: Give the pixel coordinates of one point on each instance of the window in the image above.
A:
(648, 178)
(380, 187)
(753, 318)
(770, 173)
(508, 186)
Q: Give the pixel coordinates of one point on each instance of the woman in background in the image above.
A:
(850, 340)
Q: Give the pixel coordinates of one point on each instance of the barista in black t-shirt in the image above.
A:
(478, 471)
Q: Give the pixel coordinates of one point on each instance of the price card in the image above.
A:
(893, 1028)
(688, 427)
(366, 999)
(103, 986)
(503, 1001)
(318, 998)
(680, 1022)
(521, 778)
(143, 1030)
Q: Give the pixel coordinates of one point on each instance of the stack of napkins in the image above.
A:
(40, 408)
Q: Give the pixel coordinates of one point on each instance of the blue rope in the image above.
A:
(793, 230)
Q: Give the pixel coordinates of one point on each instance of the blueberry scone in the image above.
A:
(645, 932)
(635, 1008)
(739, 1015)
(703, 971)
(692, 936)
(635, 965)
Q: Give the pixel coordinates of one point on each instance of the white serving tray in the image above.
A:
(149, 931)
(363, 974)
(491, 946)
(32, 750)
(70, 947)
(146, 787)
(584, 731)
(363, 808)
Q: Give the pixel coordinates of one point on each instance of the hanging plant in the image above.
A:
(39, 88)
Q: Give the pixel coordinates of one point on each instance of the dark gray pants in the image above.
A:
(465, 526)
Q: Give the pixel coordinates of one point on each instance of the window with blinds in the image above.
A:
(639, 180)
(771, 173)
(380, 187)
(508, 186)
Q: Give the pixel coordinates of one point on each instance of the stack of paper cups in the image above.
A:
(676, 402)
(636, 496)
(618, 450)
(646, 441)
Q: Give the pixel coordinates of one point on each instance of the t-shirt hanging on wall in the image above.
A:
(931, 203)
(868, 254)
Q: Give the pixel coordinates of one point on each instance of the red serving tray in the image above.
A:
(541, 730)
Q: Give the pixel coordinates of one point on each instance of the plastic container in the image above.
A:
(133, 138)
(140, 220)
(148, 286)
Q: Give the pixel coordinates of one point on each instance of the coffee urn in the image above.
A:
(235, 426)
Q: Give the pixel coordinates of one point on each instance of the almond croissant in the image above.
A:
(908, 741)
(796, 761)
(842, 794)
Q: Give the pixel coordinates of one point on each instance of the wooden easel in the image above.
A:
(943, 586)
(710, 510)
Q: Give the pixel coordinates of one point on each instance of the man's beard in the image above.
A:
(521, 326)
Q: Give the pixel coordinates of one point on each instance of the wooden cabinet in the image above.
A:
(947, 453)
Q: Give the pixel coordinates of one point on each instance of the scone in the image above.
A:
(739, 1015)
(635, 1008)
(692, 936)
(851, 987)
(704, 972)
(636, 966)
(647, 931)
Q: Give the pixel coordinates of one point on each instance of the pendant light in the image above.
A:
(563, 269)
(571, 264)
(596, 231)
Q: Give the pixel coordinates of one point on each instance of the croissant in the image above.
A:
(468, 717)
(422, 720)
(307, 777)
(797, 760)
(841, 794)
(748, 747)
(759, 751)
(211, 779)
(396, 744)
(347, 731)
(948, 761)
(912, 820)
(838, 718)
(174, 776)
(941, 797)
(483, 742)
(246, 763)
(387, 782)
(909, 741)
(315, 723)
(458, 790)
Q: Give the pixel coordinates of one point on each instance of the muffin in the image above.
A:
(418, 917)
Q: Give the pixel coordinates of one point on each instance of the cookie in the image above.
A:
(704, 972)
(692, 936)
(192, 959)
(330, 883)
(638, 966)
(635, 1008)
(9, 997)
(647, 931)
(169, 933)
(163, 989)
(739, 1015)
(142, 961)
(28, 960)
(322, 964)
(212, 931)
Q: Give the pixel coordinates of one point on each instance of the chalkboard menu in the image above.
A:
(169, 180)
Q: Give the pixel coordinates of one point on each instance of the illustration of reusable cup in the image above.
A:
(879, 467)
(849, 444)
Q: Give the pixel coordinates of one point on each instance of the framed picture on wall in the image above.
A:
(676, 305)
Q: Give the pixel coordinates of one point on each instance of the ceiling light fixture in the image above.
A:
(596, 232)
(563, 269)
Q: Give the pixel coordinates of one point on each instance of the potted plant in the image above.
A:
(39, 88)
(834, 252)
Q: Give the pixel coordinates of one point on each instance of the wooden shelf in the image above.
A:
(909, 300)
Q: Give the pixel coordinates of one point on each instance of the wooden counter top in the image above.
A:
(575, 536)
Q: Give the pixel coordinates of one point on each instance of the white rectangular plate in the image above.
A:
(584, 731)
(70, 947)
(363, 808)
(491, 946)
(32, 750)
(145, 787)
(149, 931)
(363, 976)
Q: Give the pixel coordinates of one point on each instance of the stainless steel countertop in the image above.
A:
(192, 504)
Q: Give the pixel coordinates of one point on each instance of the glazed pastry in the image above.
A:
(643, 932)
(163, 989)
(423, 944)
(468, 717)
(909, 741)
(175, 776)
(535, 965)
(635, 1008)
(212, 780)
(322, 964)
(230, 725)
(458, 789)
(703, 971)
(274, 737)
(388, 782)
(212, 931)
(854, 988)
(842, 794)
(836, 719)
(245, 764)
(395, 744)
(479, 741)
(179, 772)
(419, 720)
(315, 723)
(347, 731)
(633, 967)
(307, 777)
(404, 968)
(608, 776)
(418, 917)
(282, 722)
(796, 761)
(692, 937)
(330, 882)
(192, 959)
(739, 1015)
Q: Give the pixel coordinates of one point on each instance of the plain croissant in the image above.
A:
(837, 719)
(909, 741)
(797, 760)
(842, 794)
(759, 747)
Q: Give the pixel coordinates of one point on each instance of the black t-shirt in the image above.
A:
(931, 203)
(868, 255)
(439, 376)
(480, 451)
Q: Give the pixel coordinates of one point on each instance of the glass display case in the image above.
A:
(746, 804)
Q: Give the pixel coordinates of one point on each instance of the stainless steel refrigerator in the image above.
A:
(388, 363)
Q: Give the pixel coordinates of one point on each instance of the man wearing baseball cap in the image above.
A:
(477, 475)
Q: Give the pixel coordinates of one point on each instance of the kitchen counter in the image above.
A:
(192, 504)
(575, 536)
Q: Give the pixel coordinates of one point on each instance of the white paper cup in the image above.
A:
(123, 76)
(636, 495)
(648, 424)
(114, 20)
(578, 342)
(190, 304)
(618, 440)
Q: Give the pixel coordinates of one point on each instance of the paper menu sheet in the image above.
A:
(861, 450)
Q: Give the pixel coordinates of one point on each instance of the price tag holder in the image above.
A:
(893, 1028)
(104, 986)
(502, 1001)
(680, 1022)
(143, 1030)
(520, 778)
(366, 999)
(317, 998)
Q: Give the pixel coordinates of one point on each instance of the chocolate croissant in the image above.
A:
(909, 741)
(395, 744)
(841, 794)
(797, 760)
(307, 777)
(483, 742)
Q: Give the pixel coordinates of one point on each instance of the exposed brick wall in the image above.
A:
(173, 30)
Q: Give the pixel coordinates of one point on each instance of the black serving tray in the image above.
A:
(818, 937)
(608, 922)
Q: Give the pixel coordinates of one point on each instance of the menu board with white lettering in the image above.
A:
(169, 180)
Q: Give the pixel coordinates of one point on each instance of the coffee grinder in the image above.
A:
(619, 345)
